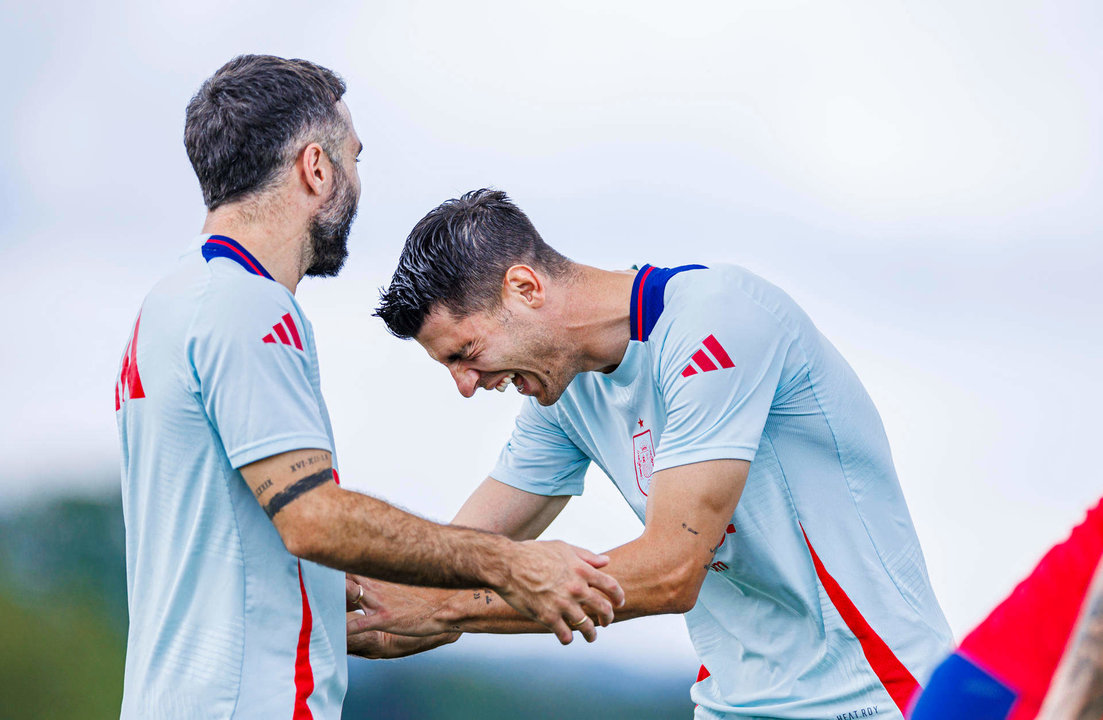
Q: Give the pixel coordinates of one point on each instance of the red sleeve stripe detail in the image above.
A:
(282, 333)
(294, 330)
(336, 477)
(689, 371)
(718, 352)
(639, 304)
(896, 678)
(269, 339)
(703, 361)
(304, 674)
(702, 673)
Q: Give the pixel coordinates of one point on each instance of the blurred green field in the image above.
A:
(63, 641)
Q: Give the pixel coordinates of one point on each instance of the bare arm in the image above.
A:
(1076, 692)
(319, 521)
(661, 571)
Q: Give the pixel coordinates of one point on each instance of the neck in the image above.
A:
(596, 316)
(279, 243)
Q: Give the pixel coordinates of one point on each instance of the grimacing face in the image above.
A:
(495, 349)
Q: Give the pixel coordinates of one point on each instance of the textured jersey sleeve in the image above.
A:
(719, 367)
(255, 387)
(540, 458)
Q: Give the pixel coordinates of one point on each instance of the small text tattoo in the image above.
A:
(263, 486)
(293, 491)
(687, 527)
(301, 464)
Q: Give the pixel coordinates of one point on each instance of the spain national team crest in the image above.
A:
(644, 452)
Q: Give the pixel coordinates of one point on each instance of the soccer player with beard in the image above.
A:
(237, 531)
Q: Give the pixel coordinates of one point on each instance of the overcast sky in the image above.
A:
(923, 178)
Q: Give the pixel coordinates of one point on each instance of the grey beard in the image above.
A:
(329, 231)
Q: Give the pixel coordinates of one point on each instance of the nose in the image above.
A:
(467, 380)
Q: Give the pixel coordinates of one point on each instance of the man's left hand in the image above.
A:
(396, 609)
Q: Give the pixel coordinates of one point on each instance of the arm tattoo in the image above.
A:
(688, 528)
(323, 457)
(295, 489)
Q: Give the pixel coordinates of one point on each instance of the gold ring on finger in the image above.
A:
(581, 622)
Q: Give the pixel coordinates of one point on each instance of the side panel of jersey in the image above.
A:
(216, 607)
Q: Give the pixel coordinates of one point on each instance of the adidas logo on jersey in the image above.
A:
(285, 332)
(711, 356)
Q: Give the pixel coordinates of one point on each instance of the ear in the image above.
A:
(523, 284)
(314, 169)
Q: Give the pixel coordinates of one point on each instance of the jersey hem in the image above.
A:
(507, 477)
(704, 454)
(274, 446)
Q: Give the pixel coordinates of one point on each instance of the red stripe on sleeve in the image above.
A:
(304, 674)
(703, 361)
(718, 352)
(282, 333)
(896, 678)
(689, 371)
(702, 673)
(294, 330)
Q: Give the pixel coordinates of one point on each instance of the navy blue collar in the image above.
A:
(222, 246)
(648, 291)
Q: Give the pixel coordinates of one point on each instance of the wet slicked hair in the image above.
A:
(250, 119)
(457, 256)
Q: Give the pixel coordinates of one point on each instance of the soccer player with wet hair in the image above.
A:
(737, 433)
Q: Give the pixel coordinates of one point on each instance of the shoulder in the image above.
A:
(236, 302)
(718, 314)
(720, 296)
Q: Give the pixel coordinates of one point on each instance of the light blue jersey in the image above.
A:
(818, 604)
(221, 371)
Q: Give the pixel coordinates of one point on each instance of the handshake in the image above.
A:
(544, 585)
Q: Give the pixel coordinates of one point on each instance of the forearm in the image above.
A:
(1076, 692)
(653, 584)
(363, 535)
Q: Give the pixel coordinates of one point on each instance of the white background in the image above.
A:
(924, 178)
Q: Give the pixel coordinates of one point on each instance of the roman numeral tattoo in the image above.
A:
(295, 490)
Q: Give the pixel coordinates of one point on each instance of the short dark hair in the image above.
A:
(457, 255)
(240, 127)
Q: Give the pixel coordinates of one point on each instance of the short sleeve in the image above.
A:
(254, 386)
(540, 458)
(719, 368)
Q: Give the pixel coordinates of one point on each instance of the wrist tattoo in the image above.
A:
(296, 489)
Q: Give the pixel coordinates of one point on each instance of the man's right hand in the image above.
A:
(559, 586)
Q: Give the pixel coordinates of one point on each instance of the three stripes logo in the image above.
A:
(285, 332)
(711, 356)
